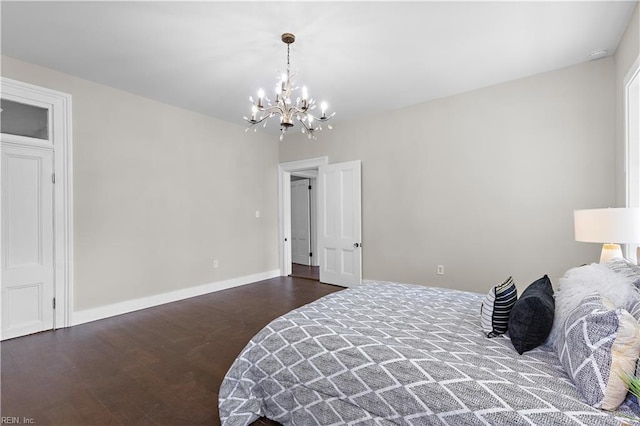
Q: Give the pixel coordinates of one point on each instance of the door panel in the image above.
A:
(27, 240)
(23, 244)
(339, 224)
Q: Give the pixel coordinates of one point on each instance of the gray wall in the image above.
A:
(160, 192)
(485, 182)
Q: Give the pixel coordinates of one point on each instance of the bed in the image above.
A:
(386, 353)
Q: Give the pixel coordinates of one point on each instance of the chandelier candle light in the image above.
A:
(283, 106)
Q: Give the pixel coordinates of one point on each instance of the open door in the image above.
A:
(339, 224)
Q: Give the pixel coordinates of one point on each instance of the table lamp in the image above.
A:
(611, 227)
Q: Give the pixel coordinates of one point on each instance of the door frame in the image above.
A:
(284, 206)
(631, 153)
(61, 136)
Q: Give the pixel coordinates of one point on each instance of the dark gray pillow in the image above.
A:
(531, 318)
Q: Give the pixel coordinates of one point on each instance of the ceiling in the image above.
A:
(361, 57)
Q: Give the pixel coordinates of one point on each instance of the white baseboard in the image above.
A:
(101, 312)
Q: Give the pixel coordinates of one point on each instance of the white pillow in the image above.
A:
(625, 267)
(580, 282)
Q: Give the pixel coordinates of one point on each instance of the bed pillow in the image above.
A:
(627, 269)
(598, 345)
(634, 310)
(577, 283)
(496, 306)
(624, 267)
(531, 318)
(634, 399)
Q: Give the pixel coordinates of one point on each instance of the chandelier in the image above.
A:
(285, 107)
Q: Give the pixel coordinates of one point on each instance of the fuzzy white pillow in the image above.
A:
(579, 283)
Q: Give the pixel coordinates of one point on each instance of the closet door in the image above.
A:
(27, 240)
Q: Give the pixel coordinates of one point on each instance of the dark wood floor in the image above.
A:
(162, 365)
(304, 271)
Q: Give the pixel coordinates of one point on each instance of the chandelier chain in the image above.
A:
(288, 46)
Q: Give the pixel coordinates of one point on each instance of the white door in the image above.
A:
(339, 224)
(300, 222)
(27, 240)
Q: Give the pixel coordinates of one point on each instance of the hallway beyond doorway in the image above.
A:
(304, 271)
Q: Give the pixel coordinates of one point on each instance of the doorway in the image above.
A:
(304, 250)
(36, 214)
(301, 169)
(337, 242)
(301, 241)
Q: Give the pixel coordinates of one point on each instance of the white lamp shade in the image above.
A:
(615, 225)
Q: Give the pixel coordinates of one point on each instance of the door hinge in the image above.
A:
(53, 178)
(54, 303)
(310, 254)
(309, 187)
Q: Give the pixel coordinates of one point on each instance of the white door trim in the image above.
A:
(632, 74)
(60, 119)
(284, 206)
(632, 148)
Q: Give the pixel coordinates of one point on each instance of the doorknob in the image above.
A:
(356, 245)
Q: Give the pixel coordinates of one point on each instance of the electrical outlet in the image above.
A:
(215, 263)
(440, 270)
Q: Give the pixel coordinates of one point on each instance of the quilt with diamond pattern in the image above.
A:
(385, 354)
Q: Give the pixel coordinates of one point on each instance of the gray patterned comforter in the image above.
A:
(388, 354)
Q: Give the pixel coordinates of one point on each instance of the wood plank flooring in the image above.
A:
(304, 271)
(162, 365)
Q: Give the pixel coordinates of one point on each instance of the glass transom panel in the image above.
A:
(24, 120)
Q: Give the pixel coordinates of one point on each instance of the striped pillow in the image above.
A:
(496, 307)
